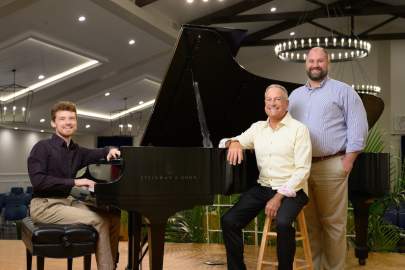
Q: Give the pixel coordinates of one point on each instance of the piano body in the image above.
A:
(369, 179)
(205, 96)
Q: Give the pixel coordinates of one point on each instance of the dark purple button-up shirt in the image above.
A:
(52, 165)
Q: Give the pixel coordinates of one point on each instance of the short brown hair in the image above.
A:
(62, 106)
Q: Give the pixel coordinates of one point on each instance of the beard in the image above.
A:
(317, 77)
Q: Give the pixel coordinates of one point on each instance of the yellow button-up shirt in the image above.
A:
(283, 154)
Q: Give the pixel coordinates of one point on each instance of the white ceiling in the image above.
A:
(61, 42)
(45, 37)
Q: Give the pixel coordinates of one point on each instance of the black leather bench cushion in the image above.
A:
(58, 240)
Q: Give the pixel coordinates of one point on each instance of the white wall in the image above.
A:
(15, 146)
(397, 78)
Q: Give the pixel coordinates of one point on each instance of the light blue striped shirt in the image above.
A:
(334, 115)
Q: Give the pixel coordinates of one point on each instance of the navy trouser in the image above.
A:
(250, 204)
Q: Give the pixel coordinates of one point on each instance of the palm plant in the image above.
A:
(375, 141)
(186, 226)
(383, 236)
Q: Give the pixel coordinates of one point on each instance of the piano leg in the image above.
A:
(361, 206)
(134, 240)
(156, 242)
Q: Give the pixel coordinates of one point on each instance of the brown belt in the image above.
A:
(317, 159)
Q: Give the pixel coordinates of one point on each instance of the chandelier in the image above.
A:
(360, 81)
(13, 110)
(125, 123)
(367, 89)
(340, 49)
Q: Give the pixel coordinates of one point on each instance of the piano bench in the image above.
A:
(58, 241)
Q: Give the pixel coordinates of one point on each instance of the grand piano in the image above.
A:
(205, 96)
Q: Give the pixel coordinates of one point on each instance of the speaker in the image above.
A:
(117, 141)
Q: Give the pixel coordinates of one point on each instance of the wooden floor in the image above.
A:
(185, 256)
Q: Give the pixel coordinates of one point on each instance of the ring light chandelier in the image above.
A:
(340, 49)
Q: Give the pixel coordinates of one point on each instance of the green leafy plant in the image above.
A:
(375, 141)
(383, 236)
(186, 226)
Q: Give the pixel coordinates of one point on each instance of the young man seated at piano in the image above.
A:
(52, 167)
(283, 151)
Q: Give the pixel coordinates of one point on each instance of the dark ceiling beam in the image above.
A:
(274, 29)
(383, 5)
(272, 42)
(229, 11)
(317, 3)
(280, 27)
(379, 25)
(311, 15)
(141, 3)
(327, 28)
(388, 36)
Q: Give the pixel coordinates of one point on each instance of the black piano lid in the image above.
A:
(232, 98)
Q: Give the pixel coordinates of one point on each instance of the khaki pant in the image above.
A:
(69, 211)
(326, 214)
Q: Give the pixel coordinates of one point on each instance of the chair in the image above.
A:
(300, 235)
(15, 206)
(58, 241)
(15, 209)
(29, 190)
(16, 190)
(28, 195)
(14, 212)
(2, 197)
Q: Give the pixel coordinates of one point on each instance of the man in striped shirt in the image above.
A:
(337, 121)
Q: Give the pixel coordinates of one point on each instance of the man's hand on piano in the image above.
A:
(114, 153)
(84, 182)
(235, 154)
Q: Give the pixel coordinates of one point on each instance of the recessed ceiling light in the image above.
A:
(88, 126)
(205, 0)
(273, 9)
(51, 80)
(109, 117)
(42, 131)
(190, 1)
(40, 77)
(42, 120)
(81, 19)
(131, 42)
(15, 128)
(292, 33)
(141, 102)
(107, 94)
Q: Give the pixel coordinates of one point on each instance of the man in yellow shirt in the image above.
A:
(283, 151)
